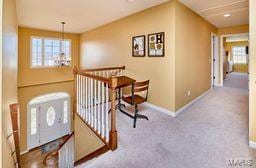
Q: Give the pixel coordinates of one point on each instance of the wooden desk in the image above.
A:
(124, 81)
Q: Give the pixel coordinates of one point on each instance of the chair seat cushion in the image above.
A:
(137, 99)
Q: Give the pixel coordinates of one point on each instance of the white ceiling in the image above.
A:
(80, 15)
(213, 11)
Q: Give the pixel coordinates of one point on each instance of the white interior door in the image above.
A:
(50, 121)
(215, 59)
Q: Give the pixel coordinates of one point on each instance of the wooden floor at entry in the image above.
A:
(34, 159)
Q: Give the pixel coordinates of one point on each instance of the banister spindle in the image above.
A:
(91, 105)
(102, 109)
(89, 100)
(83, 96)
(106, 114)
(98, 105)
(86, 99)
(94, 105)
(79, 95)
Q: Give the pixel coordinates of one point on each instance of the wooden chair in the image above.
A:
(136, 99)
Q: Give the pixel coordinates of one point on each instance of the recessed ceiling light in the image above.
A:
(227, 15)
(130, 0)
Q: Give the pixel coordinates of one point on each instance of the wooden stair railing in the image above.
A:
(95, 94)
(63, 155)
(14, 110)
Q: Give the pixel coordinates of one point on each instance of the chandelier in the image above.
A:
(62, 59)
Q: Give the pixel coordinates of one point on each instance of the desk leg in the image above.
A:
(119, 99)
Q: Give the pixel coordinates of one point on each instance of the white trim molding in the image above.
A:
(175, 114)
(252, 144)
(160, 109)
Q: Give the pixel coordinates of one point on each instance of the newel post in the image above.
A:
(75, 70)
(113, 132)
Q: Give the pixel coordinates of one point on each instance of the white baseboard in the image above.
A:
(160, 109)
(23, 152)
(175, 114)
(219, 85)
(192, 102)
(252, 144)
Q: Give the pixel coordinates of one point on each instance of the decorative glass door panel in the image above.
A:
(50, 122)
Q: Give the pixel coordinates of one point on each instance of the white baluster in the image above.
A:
(102, 109)
(89, 100)
(79, 92)
(106, 114)
(82, 97)
(86, 99)
(91, 104)
(98, 99)
(94, 106)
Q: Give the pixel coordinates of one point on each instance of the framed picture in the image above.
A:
(138, 46)
(156, 45)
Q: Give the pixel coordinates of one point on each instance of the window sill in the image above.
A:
(51, 67)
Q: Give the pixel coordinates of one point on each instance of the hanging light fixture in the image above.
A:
(62, 59)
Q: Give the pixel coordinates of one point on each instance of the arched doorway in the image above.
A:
(48, 118)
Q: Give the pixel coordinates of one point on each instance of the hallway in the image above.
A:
(236, 80)
(207, 134)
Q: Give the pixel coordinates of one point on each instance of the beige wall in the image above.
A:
(9, 81)
(32, 76)
(110, 45)
(86, 141)
(192, 54)
(252, 65)
(174, 74)
(1, 84)
(233, 30)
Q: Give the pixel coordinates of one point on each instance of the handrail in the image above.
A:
(56, 150)
(14, 110)
(70, 135)
(103, 69)
(99, 78)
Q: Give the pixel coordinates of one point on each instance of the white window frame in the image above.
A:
(244, 46)
(48, 38)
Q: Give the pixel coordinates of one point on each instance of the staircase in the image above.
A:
(95, 100)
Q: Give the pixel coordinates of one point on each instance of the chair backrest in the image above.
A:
(142, 87)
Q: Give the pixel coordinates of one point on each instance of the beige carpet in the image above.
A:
(236, 80)
(206, 135)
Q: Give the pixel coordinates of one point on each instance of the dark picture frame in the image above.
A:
(156, 44)
(139, 46)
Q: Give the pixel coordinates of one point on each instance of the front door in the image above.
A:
(50, 122)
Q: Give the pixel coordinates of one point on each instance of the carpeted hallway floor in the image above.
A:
(237, 80)
(206, 135)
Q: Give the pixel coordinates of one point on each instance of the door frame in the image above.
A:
(29, 147)
(222, 54)
(214, 63)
